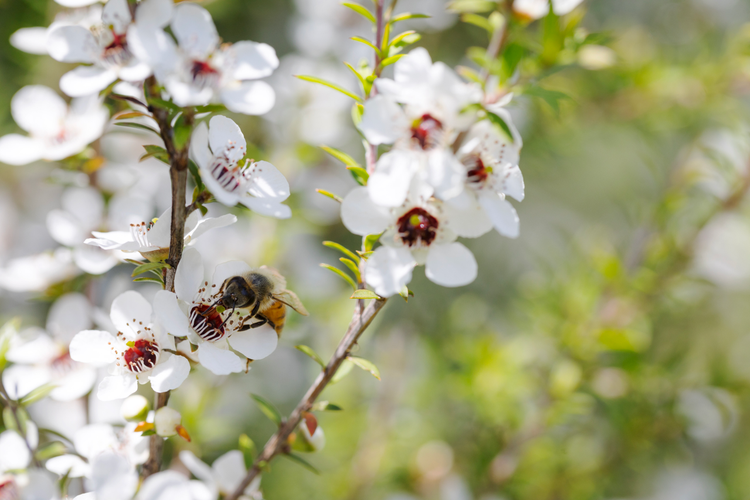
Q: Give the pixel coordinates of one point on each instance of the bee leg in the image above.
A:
(262, 320)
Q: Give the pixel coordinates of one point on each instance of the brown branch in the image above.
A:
(278, 442)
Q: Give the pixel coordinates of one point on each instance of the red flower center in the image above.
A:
(417, 226)
(8, 489)
(141, 356)
(61, 365)
(207, 323)
(476, 171)
(204, 75)
(117, 51)
(426, 131)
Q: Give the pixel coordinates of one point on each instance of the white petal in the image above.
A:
(189, 275)
(268, 182)
(445, 173)
(362, 216)
(65, 228)
(40, 486)
(221, 195)
(72, 44)
(195, 465)
(19, 150)
(229, 269)
(75, 384)
(513, 184)
(469, 220)
(383, 121)
(450, 265)
(195, 30)
(116, 14)
(389, 269)
(117, 387)
(14, 454)
(135, 71)
(414, 68)
(20, 380)
(199, 151)
(562, 7)
(159, 235)
(111, 240)
(256, 343)
(165, 485)
(170, 316)
(154, 13)
(130, 312)
(268, 208)
(229, 470)
(533, 9)
(252, 60)
(153, 46)
(170, 374)
(224, 135)
(94, 347)
(39, 110)
(76, 3)
(93, 260)
(30, 40)
(70, 314)
(86, 80)
(185, 94)
(113, 476)
(209, 223)
(250, 98)
(389, 184)
(219, 361)
(85, 204)
(33, 346)
(502, 214)
(70, 465)
(93, 439)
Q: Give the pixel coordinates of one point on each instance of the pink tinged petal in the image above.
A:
(268, 208)
(170, 374)
(269, 183)
(69, 315)
(130, 312)
(196, 466)
(113, 477)
(225, 136)
(135, 71)
(229, 470)
(469, 220)
(229, 269)
(75, 384)
(445, 173)
(39, 110)
(93, 260)
(249, 98)
(383, 121)
(362, 216)
(502, 214)
(189, 275)
(195, 30)
(219, 361)
(14, 454)
(30, 40)
(169, 314)
(86, 80)
(154, 13)
(450, 265)
(20, 150)
(252, 60)
(70, 465)
(117, 387)
(116, 14)
(389, 269)
(199, 151)
(19, 380)
(72, 44)
(94, 347)
(256, 343)
(389, 184)
(562, 7)
(209, 223)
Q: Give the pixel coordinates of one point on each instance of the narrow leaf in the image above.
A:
(341, 274)
(161, 103)
(475, 6)
(480, 21)
(352, 267)
(150, 279)
(138, 126)
(366, 86)
(496, 120)
(309, 351)
(325, 406)
(359, 9)
(344, 369)
(363, 293)
(366, 42)
(341, 156)
(390, 60)
(366, 365)
(339, 88)
(342, 249)
(401, 36)
(330, 195)
(551, 97)
(268, 409)
(210, 108)
(369, 241)
(407, 15)
(360, 175)
(149, 266)
(128, 114)
(37, 394)
(301, 461)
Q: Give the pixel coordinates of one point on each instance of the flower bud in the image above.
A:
(310, 436)
(135, 408)
(166, 421)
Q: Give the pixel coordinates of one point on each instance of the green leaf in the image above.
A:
(325, 406)
(248, 449)
(344, 369)
(551, 97)
(390, 60)
(341, 274)
(359, 9)
(182, 133)
(360, 175)
(149, 432)
(330, 195)
(398, 38)
(149, 266)
(369, 241)
(366, 86)
(8, 330)
(157, 152)
(342, 249)
(366, 42)
(161, 103)
(366, 365)
(309, 351)
(210, 108)
(363, 293)
(339, 88)
(341, 156)
(138, 126)
(406, 16)
(469, 74)
(352, 267)
(472, 6)
(477, 20)
(301, 461)
(499, 122)
(196, 175)
(49, 450)
(509, 62)
(405, 293)
(268, 409)
(37, 394)
(149, 279)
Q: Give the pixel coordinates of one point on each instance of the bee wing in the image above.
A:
(290, 298)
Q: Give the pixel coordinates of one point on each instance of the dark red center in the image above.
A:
(8, 489)
(117, 50)
(477, 172)
(417, 226)
(141, 356)
(426, 131)
(207, 322)
(202, 72)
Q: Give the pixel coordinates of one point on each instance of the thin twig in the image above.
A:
(278, 442)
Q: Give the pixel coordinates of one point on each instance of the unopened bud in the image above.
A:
(166, 421)
(135, 408)
(310, 436)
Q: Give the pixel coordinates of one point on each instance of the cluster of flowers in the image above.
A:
(453, 160)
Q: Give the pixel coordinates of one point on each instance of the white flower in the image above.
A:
(201, 70)
(224, 476)
(535, 9)
(34, 40)
(36, 273)
(138, 353)
(56, 131)
(417, 232)
(181, 314)
(219, 149)
(106, 46)
(41, 358)
(491, 172)
(152, 240)
(33, 484)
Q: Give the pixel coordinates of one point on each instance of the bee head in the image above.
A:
(237, 293)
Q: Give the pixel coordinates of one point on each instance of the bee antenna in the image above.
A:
(212, 308)
(227, 318)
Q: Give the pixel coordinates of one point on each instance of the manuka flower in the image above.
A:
(219, 150)
(189, 312)
(138, 353)
(534, 9)
(56, 131)
(417, 232)
(34, 40)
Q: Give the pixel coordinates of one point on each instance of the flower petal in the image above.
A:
(166, 485)
(229, 470)
(39, 110)
(20, 380)
(562, 7)
(450, 265)
(170, 374)
(70, 465)
(225, 137)
(268, 182)
(86, 80)
(502, 214)
(30, 40)
(256, 343)
(116, 14)
(227, 270)
(93, 439)
(252, 60)
(468, 220)
(70, 314)
(185, 94)
(389, 184)
(75, 384)
(389, 269)
(111, 240)
(130, 313)
(169, 314)
(195, 30)
(134, 71)
(268, 208)
(445, 173)
(71, 44)
(195, 465)
(20, 150)
(513, 184)
(362, 216)
(117, 387)
(154, 13)
(250, 98)
(93, 260)
(199, 151)
(14, 454)
(113, 476)
(383, 121)
(94, 347)
(219, 361)
(209, 223)
(189, 275)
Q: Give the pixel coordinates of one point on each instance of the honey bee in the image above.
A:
(263, 292)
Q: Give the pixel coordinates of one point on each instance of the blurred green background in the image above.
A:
(605, 353)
